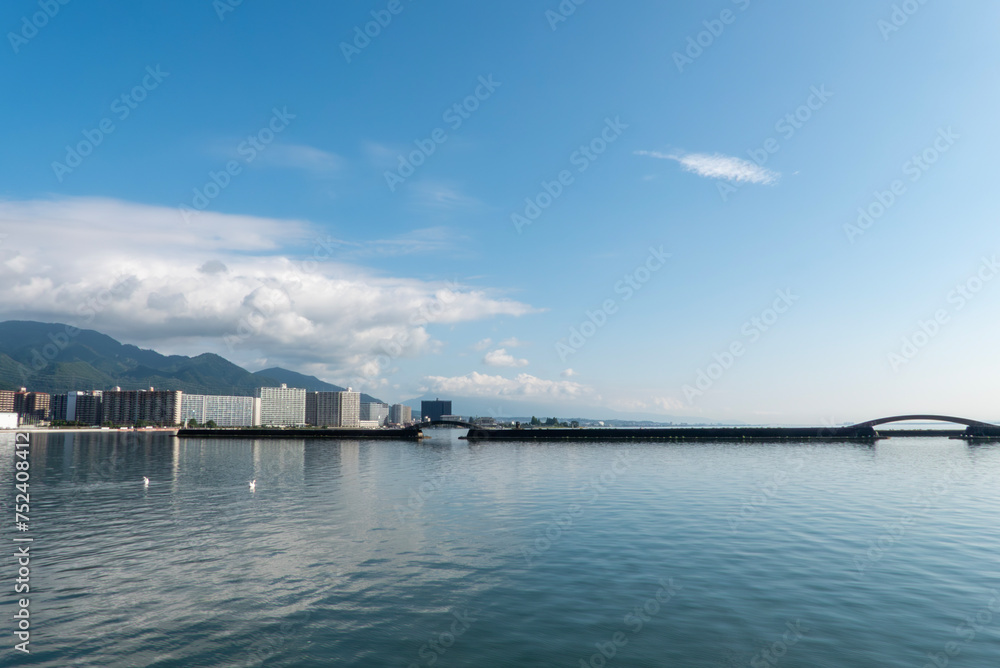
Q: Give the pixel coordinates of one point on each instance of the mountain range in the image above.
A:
(56, 358)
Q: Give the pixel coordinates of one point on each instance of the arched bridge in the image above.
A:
(450, 423)
(972, 427)
(931, 418)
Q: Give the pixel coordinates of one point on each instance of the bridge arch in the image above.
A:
(455, 423)
(933, 418)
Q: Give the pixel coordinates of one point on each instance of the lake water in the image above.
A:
(446, 553)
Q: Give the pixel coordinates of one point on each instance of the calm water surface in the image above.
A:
(566, 554)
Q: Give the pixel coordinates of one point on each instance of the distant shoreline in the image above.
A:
(89, 430)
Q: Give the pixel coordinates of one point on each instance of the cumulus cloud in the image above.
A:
(245, 287)
(718, 166)
(212, 267)
(483, 344)
(523, 385)
(500, 357)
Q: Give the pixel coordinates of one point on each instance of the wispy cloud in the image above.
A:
(306, 158)
(512, 342)
(500, 357)
(718, 166)
(523, 385)
(439, 196)
(661, 405)
(426, 240)
(483, 345)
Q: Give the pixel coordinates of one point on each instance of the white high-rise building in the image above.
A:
(281, 406)
(224, 411)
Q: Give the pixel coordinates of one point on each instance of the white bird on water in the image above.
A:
(253, 485)
(145, 481)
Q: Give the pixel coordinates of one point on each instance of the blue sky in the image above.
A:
(308, 259)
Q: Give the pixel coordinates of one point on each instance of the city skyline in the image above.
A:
(268, 407)
(720, 213)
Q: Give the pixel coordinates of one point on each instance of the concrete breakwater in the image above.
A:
(349, 434)
(677, 434)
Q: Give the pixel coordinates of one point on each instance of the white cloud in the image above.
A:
(483, 344)
(244, 287)
(662, 405)
(426, 240)
(383, 156)
(512, 342)
(299, 156)
(523, 385)
(568, 373)
(442, 197)
(501, 357)
(718, 166)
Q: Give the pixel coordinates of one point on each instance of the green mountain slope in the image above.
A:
(53, 358)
